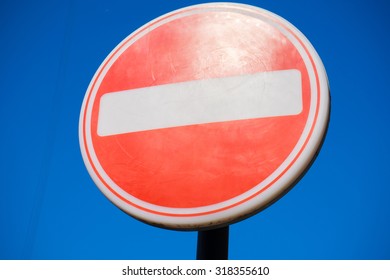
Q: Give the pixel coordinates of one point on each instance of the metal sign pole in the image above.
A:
(213, 244)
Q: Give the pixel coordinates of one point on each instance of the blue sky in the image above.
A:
(51, 209)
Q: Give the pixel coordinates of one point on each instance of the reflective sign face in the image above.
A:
(204, 116)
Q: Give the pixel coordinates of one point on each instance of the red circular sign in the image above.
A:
(204, 116)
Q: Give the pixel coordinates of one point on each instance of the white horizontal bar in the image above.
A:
(260, 95)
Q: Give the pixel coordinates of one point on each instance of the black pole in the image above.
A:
(213, 244)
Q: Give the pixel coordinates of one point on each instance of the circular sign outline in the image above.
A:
(259, 196)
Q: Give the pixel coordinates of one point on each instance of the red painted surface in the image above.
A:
(199, 165)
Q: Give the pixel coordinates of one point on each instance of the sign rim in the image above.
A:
(256, 201)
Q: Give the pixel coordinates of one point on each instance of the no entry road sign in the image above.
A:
(204, 116)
